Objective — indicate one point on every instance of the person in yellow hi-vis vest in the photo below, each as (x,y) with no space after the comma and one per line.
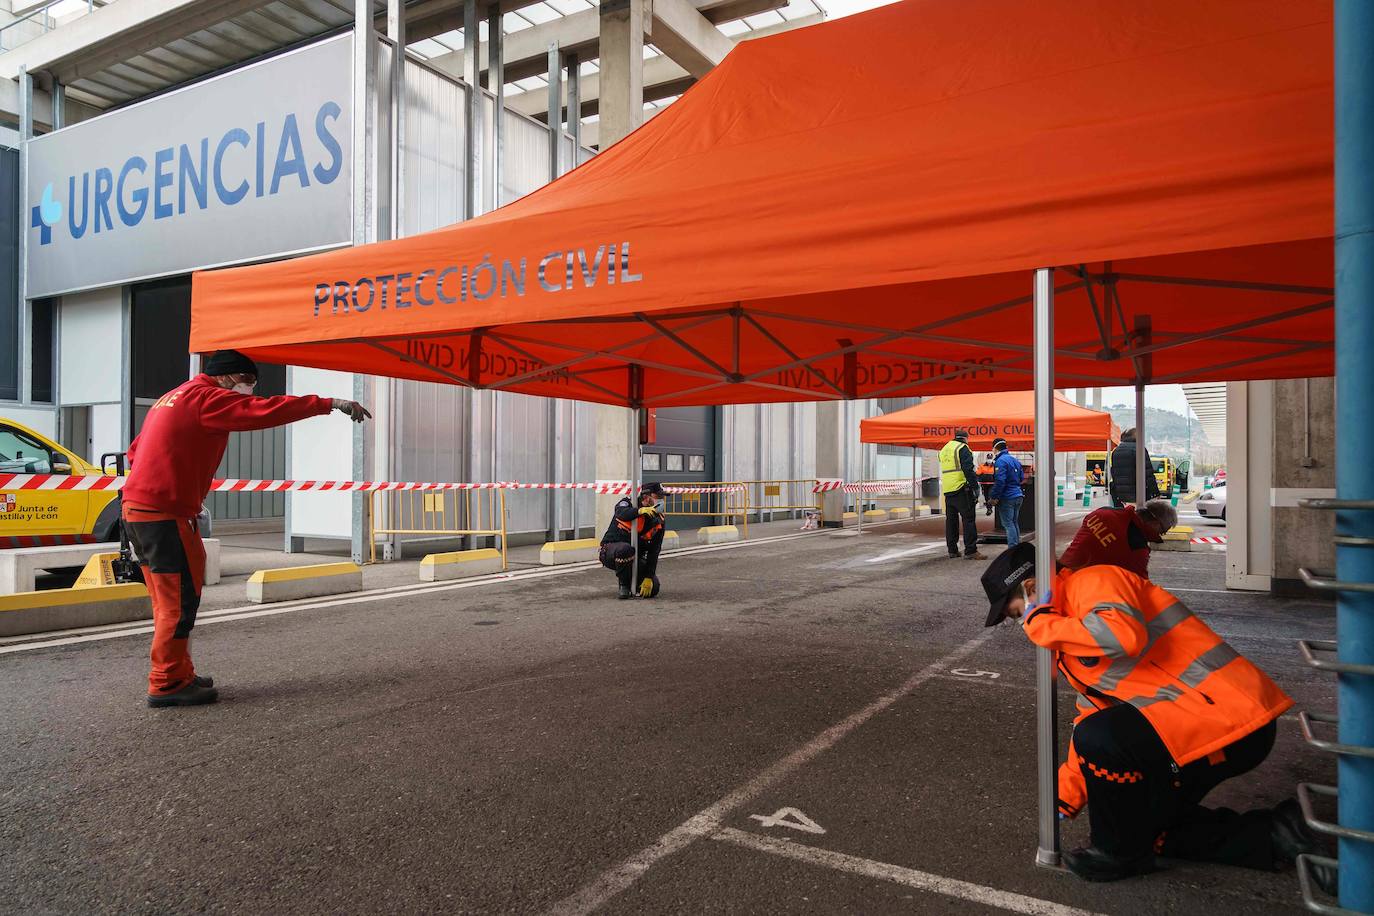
(959,487)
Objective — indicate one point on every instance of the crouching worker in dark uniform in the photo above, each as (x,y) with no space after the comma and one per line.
(1167,712)
(618,554)
(172,463)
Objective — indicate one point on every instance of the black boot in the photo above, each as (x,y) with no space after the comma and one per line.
(203,680)
(1291,836)
(191,695)
(1092,864)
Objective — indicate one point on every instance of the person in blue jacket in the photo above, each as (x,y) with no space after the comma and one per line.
(1006,493)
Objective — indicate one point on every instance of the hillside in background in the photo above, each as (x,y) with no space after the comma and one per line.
(1166,432)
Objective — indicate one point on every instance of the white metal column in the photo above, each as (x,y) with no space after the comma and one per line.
(25,349)
(1046,710)
(364,222)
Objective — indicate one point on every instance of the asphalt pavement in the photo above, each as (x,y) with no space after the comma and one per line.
(812,723)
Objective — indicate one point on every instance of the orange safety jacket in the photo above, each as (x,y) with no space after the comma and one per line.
(627,514)
(1119,638)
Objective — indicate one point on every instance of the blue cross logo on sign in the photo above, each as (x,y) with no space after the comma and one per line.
(46,214)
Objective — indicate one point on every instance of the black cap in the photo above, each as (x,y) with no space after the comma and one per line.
(654,488)
(961,434)
(999,442)
(229,362)
(1008,570)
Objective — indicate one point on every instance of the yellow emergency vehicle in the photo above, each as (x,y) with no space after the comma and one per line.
(35,518)
(1096,465)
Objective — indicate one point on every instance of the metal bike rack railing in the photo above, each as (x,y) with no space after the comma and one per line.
(1312,652)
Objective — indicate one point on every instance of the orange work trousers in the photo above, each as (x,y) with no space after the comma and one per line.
(173,559)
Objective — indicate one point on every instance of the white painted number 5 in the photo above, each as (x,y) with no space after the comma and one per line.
(789,817)
(965,672)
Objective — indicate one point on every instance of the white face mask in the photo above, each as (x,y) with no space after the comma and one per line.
(244,388)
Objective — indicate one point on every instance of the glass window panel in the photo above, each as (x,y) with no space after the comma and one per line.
(696,462)
(674,462)
(652,461)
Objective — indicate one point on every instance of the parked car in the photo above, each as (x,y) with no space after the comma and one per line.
(33,518)
(1212,504)
(65,516)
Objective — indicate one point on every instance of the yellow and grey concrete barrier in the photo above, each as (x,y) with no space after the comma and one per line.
(1176,538)
(717,534)
(70,608)
(267,585)
(561,553)
(875,515)
(460,564)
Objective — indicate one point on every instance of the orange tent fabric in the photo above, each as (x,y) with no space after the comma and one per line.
(854,209)
(1009,415)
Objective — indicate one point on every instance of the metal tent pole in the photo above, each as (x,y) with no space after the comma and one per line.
(1046,710)
(636,387)
(1140,469)
(635,470)
(915,493)
(1354,319)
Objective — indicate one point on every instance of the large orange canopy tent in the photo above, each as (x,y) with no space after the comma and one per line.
(853,210)
(986,417)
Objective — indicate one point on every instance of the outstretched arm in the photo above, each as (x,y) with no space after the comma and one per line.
(232,412)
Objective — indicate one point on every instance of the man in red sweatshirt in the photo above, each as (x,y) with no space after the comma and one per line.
(172,463)
(1121,537)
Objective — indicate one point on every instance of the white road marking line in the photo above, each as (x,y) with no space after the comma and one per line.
(920,880)
(13,644)
(702,824)
(791,818)
(899,554)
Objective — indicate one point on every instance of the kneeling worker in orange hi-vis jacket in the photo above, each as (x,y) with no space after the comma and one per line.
(1167,712)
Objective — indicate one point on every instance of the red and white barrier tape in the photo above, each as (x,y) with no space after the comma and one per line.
(604,487)
(734,488)
(1210,539)
(236,485)
(877,486)
(239,485)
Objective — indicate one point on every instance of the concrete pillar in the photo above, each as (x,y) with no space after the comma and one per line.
(621,108)
(830,449)
(1303,466)
(1270,466)
(612,456)
(1249,459)
(623,24)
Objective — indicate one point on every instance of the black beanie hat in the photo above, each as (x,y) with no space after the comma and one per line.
(229,362)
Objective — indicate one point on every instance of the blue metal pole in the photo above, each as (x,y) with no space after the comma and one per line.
(1354,23)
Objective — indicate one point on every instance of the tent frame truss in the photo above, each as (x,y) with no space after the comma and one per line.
(1110,344)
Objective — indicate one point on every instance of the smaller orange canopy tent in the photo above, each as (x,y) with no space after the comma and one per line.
(1006,414)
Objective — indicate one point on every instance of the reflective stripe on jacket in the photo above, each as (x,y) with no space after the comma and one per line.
(627,515)
(952,476)
(1123,639)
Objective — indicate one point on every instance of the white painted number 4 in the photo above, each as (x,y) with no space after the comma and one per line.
(789,817)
